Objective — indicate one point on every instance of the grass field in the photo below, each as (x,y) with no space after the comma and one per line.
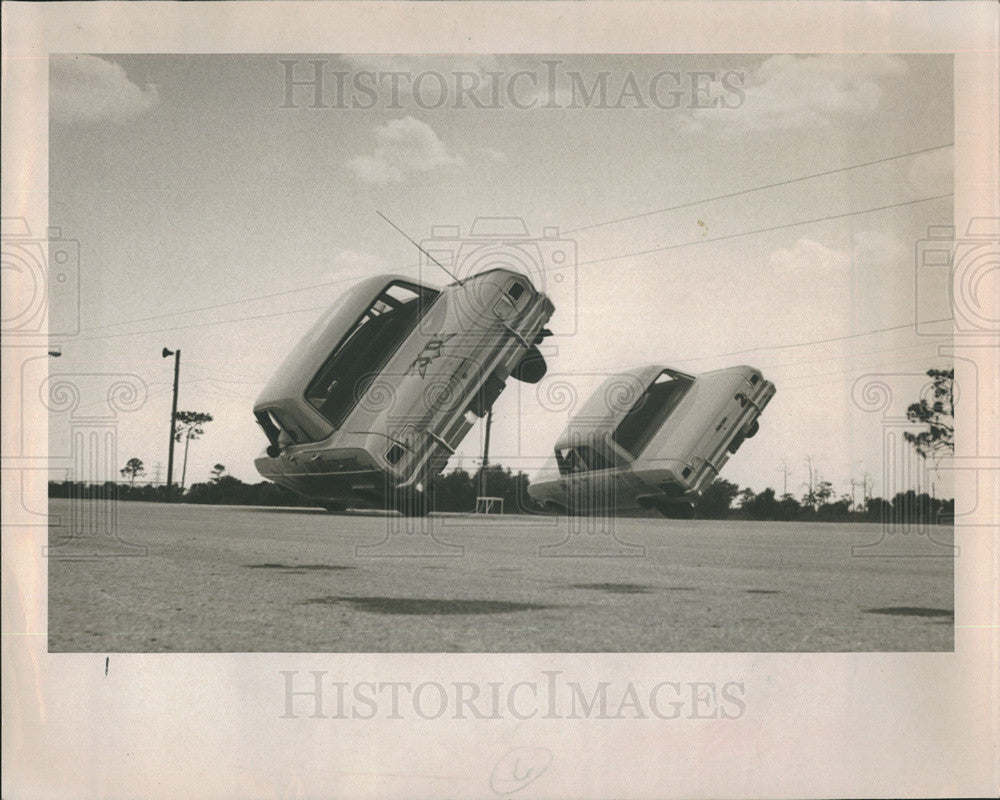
(186,578)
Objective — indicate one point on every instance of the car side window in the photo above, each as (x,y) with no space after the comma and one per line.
(650,411)
(365,349)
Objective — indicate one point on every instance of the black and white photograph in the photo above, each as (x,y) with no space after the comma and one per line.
(504,353)
(657,376)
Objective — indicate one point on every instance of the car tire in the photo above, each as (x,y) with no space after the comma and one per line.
(752,429)
(531,368)
(335,508)
(676,510)
(552,507)
(411,503)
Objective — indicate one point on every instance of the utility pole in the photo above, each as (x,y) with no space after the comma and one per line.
(855,464)
(863,485)
(486,452)
(173,420)
(809,465)
(784,472)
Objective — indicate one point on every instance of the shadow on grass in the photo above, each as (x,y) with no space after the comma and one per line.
(426,607)
(615,588)
(287,510)
(912,611)
(347,512)
(299,567)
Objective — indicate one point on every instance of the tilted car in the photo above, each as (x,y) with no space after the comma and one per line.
(380,392)
(652,437)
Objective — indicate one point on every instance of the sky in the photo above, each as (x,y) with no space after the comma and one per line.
(220,210)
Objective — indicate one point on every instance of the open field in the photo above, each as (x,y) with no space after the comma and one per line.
(214,578)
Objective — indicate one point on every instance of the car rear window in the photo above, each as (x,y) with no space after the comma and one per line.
(581,458)
(365,349)
(650,411)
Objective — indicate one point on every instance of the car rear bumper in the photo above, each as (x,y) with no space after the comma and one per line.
(327,475)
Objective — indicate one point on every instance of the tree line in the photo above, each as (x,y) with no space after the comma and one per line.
(725,500)
(457,491)
(453,491)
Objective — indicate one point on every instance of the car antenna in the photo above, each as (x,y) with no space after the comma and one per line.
(450,274)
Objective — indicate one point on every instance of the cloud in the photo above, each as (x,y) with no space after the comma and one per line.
(378,62)
(933,173)
(88,89)
(789,92)
(348,264)
(808,257)
(403,147)
(812,279)
(373,170)
(493,155)
(561,97)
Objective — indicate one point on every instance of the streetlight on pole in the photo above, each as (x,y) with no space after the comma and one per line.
(173,420)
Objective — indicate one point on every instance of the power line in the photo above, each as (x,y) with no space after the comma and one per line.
(812,342)
(216,306)
(784,381)
(927,342)
(904,350)
(755,189)
(790,384)
(201,324)
(740,192)
(662,248)
(581,263)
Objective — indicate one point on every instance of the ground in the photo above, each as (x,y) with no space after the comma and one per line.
(188,578)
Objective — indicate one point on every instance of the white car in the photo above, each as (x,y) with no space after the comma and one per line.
(380,392)
(652,437)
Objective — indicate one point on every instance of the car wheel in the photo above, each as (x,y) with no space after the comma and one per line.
(552,507)
(411,503)
(676,510)
(531,368)
(752,430)
(334,508)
